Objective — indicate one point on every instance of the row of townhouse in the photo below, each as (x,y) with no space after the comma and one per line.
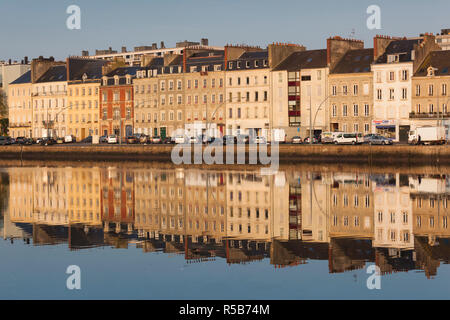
(389,89)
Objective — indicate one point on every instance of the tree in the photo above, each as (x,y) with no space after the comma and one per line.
(4,122)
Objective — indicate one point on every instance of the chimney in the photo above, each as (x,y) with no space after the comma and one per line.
(154,46)
(337,47)
(422,50)
(380,43)
(25,60)
(162,45)
(84,53)
(280,51)
(9,61)
(40,66)
(204,42)
(124,49)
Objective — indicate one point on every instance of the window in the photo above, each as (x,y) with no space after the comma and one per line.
(391,76)
(444,89)
(404,93)
(391,94)
(344,110)
(404,75)
(344,90)
(334,111)
(355,89)
(334,90)
(418,90)
(379,94)
(430,90)
(355,110)
(366,110)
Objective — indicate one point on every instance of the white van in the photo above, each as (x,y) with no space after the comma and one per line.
(348,138)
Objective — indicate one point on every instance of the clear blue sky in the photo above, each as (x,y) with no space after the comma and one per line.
(32,28)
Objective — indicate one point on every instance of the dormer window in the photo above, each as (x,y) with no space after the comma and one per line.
(116,80)
(247,64)
(393,58)
(238,64)
(230,65)
(431,71)
(256,64)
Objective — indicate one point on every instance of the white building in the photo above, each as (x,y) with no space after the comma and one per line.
(392,81)
(49,100)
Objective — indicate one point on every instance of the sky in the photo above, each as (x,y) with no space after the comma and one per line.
(34,28)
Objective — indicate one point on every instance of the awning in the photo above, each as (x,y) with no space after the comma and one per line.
(385,127)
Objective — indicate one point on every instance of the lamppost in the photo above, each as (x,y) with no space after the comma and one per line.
(315,115)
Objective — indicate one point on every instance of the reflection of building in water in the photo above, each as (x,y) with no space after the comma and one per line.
(430,196)
(398,222)
(315,208)
(392,214)
(351,203)
(117,198)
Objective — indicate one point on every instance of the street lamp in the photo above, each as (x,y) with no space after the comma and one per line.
(315,115)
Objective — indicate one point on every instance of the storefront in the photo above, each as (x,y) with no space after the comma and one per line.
(385,128)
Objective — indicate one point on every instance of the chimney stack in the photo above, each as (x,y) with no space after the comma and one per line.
(124,49)
(337,47)
(204,42)
(162,45)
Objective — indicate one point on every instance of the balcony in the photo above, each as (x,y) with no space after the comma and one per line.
(429,115)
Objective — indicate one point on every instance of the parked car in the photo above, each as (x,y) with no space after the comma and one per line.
(70,139)
(87,140)
(243,139)
(193,140)
(367,137)
(23,141)
(12,141)
(314,140)
(349,138)
(377,139)
(259,140)
(131,140)
(60,140)
(112,139)
(4,141)
(296,140)
(168,140)
(47,141)
(179,139)
(229,139)
(156,140)
(144,139)
(327,137)
(103,139)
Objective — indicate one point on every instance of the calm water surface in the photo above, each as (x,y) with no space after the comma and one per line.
(155,233)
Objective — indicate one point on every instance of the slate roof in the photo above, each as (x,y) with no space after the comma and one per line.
(25,78)
(54,74)
(247,61)
(310,59)
(123,71)
(79,67)
(355,61)
(403,47)
(436,59)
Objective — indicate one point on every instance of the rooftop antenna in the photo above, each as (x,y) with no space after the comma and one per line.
(352,34)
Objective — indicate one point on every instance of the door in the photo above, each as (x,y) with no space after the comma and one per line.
(83,133)
(163,133)
(403,132)
(128,131)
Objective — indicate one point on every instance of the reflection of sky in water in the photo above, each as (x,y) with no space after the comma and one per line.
(327,228)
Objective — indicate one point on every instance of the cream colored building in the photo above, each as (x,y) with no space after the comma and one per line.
(351,88)
(20,111)
(49,101)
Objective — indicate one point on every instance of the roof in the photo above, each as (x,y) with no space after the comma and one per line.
(249,60)
(402,47)
(54,74)
(123,71)
(310,59)
(79,67)
(440,60)
(355,61)
(25,78)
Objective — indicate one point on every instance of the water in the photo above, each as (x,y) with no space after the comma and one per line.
(149,231)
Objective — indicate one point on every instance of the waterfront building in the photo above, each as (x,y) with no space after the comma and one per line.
(20,111)
(117,102)
(431,97)
(248,92)
(351,89)
(395,62)
(49,98)
(9,72)
(84,79)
